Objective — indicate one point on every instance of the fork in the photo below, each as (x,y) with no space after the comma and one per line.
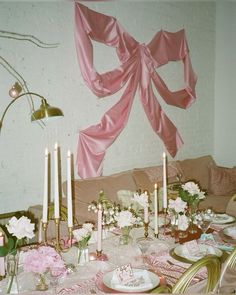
(172,263)
(184,268)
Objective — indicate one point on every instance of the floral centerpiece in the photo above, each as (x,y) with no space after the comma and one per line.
(142,199)
(110,209)
(177,209)
(40,261)
(191,193)
(82,236)
(125,220)
(115,215)
(19,230)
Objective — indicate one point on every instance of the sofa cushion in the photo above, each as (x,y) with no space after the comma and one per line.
(231,206)
(145,178)
(87,190)
(142,181)
(216,203)
(197,170)
(222,181)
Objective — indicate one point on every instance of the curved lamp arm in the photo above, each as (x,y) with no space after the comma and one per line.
(44,112)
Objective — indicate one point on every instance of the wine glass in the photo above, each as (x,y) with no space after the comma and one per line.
(204,220)
(55,274)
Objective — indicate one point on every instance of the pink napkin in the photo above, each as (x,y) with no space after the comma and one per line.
(172,272)
(84,287)
(218,227)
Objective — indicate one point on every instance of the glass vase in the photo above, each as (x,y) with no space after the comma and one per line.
(83,255)
(125,237)
(192,213)
(12,270)
(40,282)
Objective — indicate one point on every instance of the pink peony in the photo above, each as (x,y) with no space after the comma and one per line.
(42,259)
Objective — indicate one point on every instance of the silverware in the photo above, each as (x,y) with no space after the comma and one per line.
(172,263)
(184,268)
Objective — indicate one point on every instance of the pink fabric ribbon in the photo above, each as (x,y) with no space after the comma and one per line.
(137,68)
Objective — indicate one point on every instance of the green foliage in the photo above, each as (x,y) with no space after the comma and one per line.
(8,248)
(186,197)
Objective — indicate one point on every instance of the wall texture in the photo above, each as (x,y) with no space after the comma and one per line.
(55,73)
(225,86)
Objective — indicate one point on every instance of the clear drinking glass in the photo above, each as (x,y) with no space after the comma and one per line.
(55,275)
(204,220)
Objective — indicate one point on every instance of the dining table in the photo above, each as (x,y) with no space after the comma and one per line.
(150,254)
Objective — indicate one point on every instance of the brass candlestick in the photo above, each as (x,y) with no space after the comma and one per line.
(57,231)
(70,228)
(165,217)
(156,236)
(57,228)
(44,227)
(146,229)
(101,256)
(156,210)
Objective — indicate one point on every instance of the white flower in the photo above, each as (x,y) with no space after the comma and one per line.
(80,234)
(125,218)
(88,226)
(21,228)
(191,187)
(142,199)
(182,222)
(178,205)
(84,232)
(201,195)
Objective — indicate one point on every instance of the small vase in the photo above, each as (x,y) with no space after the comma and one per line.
(192,212)
(40,282)
(83,255)
(12,270)
(125,238)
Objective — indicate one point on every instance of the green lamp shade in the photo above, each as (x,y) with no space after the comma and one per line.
(46,112)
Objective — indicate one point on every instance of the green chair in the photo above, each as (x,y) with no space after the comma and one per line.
(212,264)
(230,263)
(161,290)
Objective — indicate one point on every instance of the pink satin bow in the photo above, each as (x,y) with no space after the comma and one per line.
(137,68)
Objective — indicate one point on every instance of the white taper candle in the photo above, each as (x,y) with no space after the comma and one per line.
(69,191)
(99,229)
(164,182)
(45,192)
(156,230)
(56,183)
(146,217)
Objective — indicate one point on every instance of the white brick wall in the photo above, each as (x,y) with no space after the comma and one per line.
(225,86)
(55,73)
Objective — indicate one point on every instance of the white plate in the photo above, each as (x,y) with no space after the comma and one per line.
(230,232)
(153,282)
(223,219)
(182,251)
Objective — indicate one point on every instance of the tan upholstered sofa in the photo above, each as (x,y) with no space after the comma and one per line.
(218,182)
